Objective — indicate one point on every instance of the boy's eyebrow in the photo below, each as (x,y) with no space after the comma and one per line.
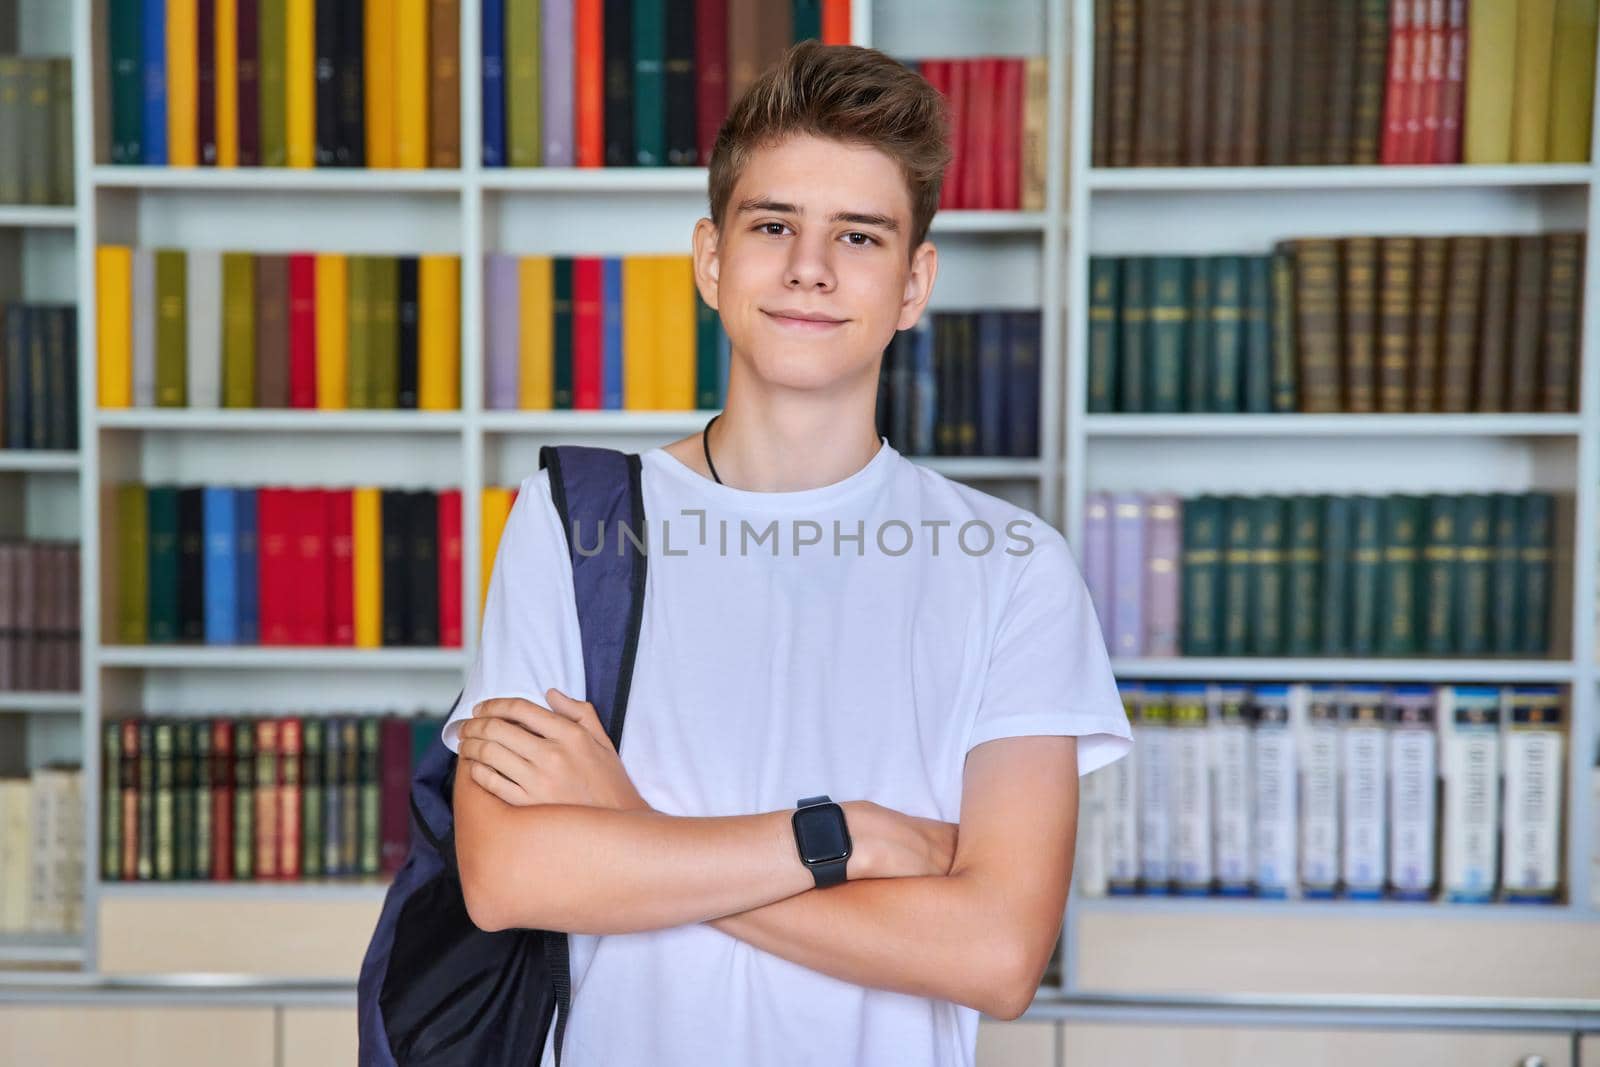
(860,218)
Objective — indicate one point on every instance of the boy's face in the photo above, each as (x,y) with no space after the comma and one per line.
(815,227)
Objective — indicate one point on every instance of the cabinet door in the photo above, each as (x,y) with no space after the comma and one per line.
(1018,1043)
(319,1037)
(1089,1044)
(137,1036)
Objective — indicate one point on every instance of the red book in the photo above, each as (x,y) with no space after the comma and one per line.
(589,77)
(940,73)
(274,570)
(1008,133)
(711,73)
(1433,109)
(341,576)
(836,22)
(394,792)
(1417,84)
(977,138)
(267,777)
(587,298)
(302,331)
(222,800)
(988,131)
(1455,66)
(450,568)
(289,799)
(310,567)
(1395,95)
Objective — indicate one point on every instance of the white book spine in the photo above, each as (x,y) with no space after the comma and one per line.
(204,309)
(1089,864)
(1152,751)
(144,327)
(1413,785)
(1469,729)
(1191,787)
(1364,763)
(1231,789)
(1122,825)
(1531,857)
(1319,792)
(1274,783)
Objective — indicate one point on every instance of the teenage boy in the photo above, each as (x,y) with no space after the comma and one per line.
(822,616)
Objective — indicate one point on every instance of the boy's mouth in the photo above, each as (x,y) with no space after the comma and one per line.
(799,321)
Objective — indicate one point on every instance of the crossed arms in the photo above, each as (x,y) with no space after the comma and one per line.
(550,835)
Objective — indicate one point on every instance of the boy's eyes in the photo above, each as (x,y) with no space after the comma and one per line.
(765,227)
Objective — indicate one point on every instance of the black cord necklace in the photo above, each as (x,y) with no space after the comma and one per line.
(705,439)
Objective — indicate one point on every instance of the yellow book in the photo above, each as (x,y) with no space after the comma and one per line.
(1530,93)
(367,527)
(183,83)
(1491,65)
(536,368)
(411,81)
(300,81)
(227,82)
(113,284)
(675,332)
(439,333)
(333,330)
(1572,82)
(379,67)
(639,334)
(496,508)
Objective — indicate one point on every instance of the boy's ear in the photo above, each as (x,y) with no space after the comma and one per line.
(706,264)
(919,285)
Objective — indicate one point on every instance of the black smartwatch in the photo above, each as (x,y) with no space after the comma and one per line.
(823,839)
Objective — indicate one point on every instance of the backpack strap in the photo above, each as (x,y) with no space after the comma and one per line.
(597,491)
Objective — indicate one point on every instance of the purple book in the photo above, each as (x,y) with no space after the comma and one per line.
(1162,557)
(1097,559)
(555,68)
(1127,568)
(500,331)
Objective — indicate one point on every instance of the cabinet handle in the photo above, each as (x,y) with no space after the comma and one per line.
(1534,1060)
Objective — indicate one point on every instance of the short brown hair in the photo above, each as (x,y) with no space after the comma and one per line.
(847,93)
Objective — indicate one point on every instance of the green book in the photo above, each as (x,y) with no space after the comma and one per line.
(1267,572)
(11,105)
(524,135)
(350,859)
(1397,598)
(1538,519)
(1237,566)
(1227,332)
(172,332)
(311,775)
(1167,329)
(166,843)
(1105,289)
(384,306)
(707,369)
(1202,576)
(358,383)
(1474,601)
(1197,380)
(1338,529)
(238,330)
(145,860)
(1366,560)
(133,565)
(1441,555)
(203,859)
(807,20)
(1257,334)
(163,566)
(272,87)
(244,800)
(183,799)
(126,41)
(1505,581)
(332,798)
(649,19)
(1285,365)
(111,800)
(1136,294)
(370,782)
(1302,594)
(561,305)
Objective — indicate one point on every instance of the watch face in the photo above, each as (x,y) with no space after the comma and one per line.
(821,833)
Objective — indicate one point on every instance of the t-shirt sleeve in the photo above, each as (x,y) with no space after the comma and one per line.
(1049,673)
(530,640)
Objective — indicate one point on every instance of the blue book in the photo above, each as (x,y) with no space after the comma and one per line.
(494,83)
(249,600)
(1022,389)
(991,382)
(611,334)
(220,507)
(924,392)
(155,83)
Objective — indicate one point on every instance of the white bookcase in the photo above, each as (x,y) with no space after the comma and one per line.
(988,259)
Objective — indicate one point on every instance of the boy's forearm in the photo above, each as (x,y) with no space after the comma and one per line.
(932,937)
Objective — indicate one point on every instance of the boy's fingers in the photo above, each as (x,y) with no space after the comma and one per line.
(532,717)
(496,783)
(581,712)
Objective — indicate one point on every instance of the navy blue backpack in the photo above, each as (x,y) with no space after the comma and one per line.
(434,989)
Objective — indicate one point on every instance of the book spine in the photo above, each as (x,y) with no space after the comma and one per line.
(1413,777)
(1364,765)
(1153,754)
(1229,742)
(1191,789)
(1274,795)
(1469,720)
(1317,722)
(1534,772)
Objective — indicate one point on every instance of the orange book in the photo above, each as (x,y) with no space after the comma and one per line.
(113,268)
(183,83)
(411,84)
(536,333)
(266,800)
(289,800)
(227,63)
(367,526)
(333,330)
(439,340)
(836,22)
(300,82)
(496,508)
(379,73)
(590,76)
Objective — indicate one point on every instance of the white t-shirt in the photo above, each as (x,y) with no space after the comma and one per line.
(779,668)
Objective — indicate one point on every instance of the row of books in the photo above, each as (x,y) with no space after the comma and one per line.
(1351,82)
(41,850)
(591,333)
(221,565)
(1357,324)
(38,376)
(997,107)
(40,627)
(616,83)
(1363,792)
(271,83)
(205,329)
(258,798)
(1332,575)
(963,383)
(36,130)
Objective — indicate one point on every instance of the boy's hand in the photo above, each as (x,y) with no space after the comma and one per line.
(892,844)
(526,753)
